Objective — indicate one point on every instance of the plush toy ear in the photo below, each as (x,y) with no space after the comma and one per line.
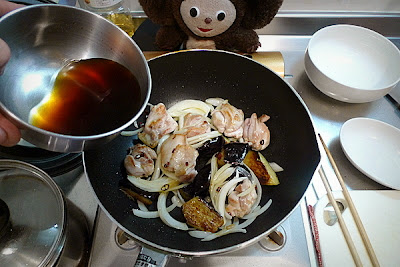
(159,11)
(260,12)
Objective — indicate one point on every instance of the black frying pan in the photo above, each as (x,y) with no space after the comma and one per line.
(249,86)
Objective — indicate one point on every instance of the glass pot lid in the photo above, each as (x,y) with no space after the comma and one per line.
(34,233)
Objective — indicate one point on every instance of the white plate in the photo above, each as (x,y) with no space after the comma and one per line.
(373,147)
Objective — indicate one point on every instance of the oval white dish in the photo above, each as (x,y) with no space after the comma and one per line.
(373,147)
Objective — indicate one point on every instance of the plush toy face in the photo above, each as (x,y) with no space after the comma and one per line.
(208,18)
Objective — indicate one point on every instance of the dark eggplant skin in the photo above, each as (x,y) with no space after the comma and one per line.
(207,150)
(211,147)
(232,152)
(199,186)
(235,153)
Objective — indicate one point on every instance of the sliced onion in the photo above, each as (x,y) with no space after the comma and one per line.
(214,166)
(258,211)
(255,180)
(142,206)
(175,199)
(231,190)
(179,196)
(221,195)
(157,169)
(189,106)
(275,167)
(215,101)
(227,215)
(132,133)
(162,184)
(203,137)
(151,214)
(181,121)
(224,232)
(160,142)
(170,174)
(221,175)
(247,191)
(166,217)
(197,145)
(246,223)
(199,234)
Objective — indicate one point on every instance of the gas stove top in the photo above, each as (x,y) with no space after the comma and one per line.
(112,247)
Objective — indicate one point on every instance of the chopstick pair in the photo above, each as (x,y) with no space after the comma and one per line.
(353,211)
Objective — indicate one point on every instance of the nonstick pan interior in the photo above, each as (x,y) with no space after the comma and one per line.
(248,86)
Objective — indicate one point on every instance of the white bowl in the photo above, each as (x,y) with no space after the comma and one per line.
(352,64)
(373,147)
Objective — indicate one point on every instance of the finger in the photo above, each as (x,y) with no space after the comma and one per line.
(6,6)
(9,133)
(5,55)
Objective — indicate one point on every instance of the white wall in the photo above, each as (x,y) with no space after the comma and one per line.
(342,5)
(322,5)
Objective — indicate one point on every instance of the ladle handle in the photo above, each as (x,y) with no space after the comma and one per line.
(151,258)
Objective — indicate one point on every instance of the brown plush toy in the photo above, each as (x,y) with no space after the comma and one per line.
(210,24)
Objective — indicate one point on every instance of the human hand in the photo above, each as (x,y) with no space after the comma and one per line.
(5,55)
(9,133)
(6,6)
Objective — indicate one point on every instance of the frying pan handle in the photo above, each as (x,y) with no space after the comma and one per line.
(151,258)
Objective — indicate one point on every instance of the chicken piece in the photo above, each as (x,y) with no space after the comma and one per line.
(201,216)
(140,161)
(255,132)
(228,120)
(179,158)
(239,206)
(158,124)
(195,124)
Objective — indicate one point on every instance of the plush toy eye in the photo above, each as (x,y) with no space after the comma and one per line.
(221,15)
(194,12)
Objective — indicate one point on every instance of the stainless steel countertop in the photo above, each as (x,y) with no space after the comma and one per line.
(329,114)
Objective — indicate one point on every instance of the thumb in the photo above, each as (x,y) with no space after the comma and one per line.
(9,133)
(5,55)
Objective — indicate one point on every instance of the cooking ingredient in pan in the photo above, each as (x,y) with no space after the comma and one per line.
(89,97)
(206,157)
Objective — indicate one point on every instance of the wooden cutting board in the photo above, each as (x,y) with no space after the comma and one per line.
(380,214)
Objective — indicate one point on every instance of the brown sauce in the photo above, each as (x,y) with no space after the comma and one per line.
(89,97)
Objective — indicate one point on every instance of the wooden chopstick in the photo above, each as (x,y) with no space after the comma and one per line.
(341,221)
(352,208)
